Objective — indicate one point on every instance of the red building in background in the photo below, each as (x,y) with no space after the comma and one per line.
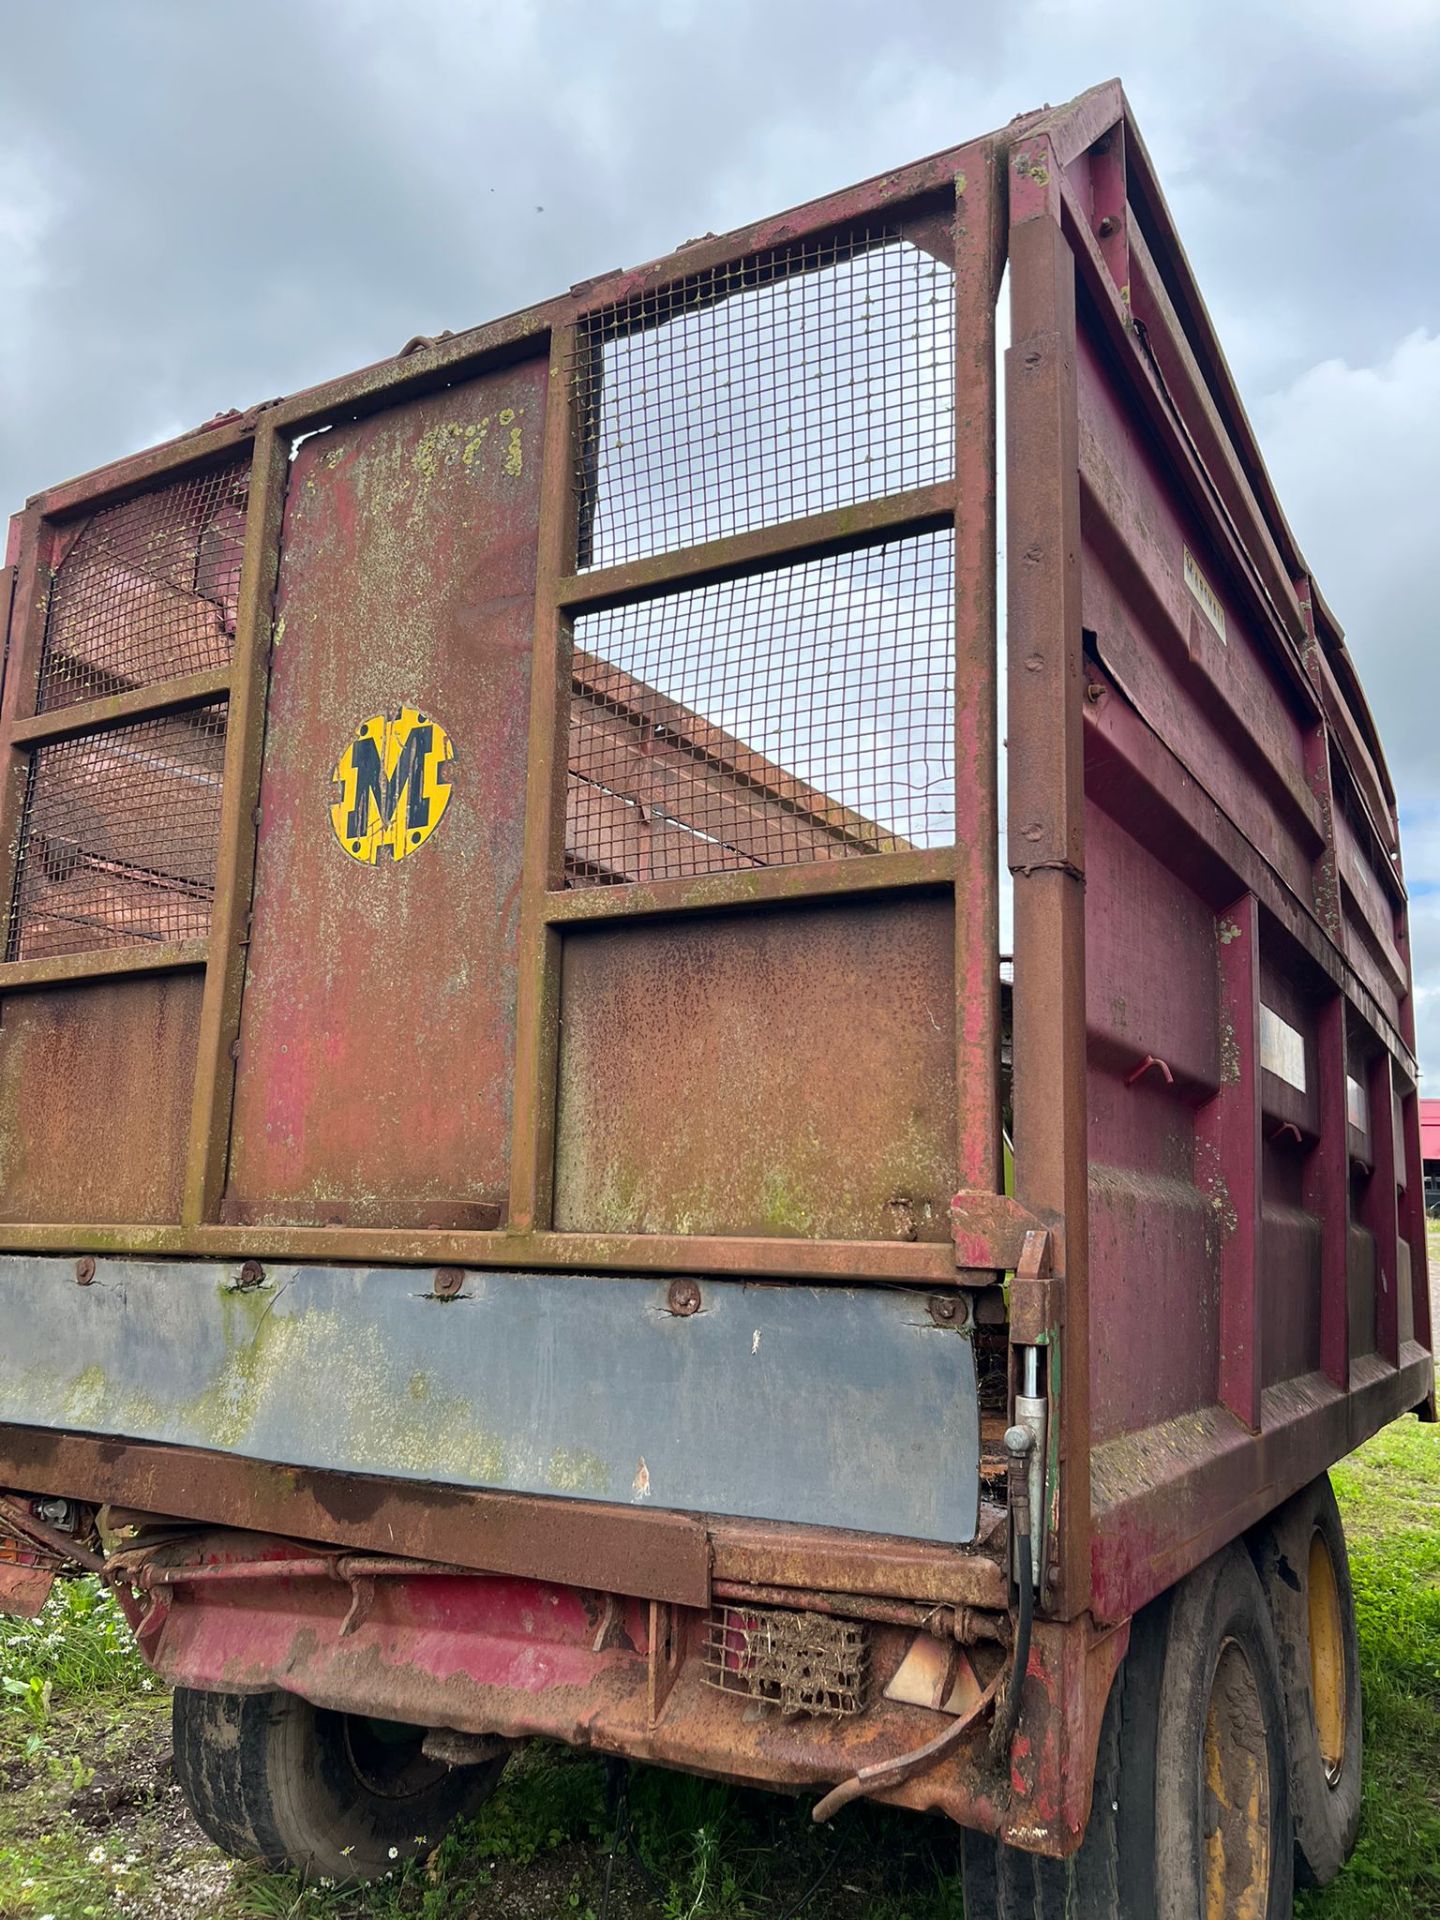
(1430,1152)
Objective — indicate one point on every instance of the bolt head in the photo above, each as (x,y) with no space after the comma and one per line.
(945,1309)
(84,1270)
(448,1282)
(684,1298)
(251,1274)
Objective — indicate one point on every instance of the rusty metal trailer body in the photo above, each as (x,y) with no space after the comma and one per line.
(504,1054)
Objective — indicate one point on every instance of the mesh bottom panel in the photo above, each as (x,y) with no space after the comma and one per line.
(800,1662)
(782,385)
(795,715)
(148,590)
(119,837)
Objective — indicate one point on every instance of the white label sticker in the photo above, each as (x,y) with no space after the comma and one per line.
(1282,1049)
(1205,594)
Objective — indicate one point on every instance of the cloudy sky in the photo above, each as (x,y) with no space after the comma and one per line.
(205,205)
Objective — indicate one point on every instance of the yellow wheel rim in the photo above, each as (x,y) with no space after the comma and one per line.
(1327,1658)
(1237,1793)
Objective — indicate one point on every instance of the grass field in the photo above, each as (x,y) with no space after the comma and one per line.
(91,1822)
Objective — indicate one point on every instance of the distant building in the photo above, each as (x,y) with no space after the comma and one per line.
(1430,1152)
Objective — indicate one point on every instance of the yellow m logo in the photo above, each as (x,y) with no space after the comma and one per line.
(393,785)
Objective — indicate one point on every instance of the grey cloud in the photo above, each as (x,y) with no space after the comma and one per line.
(201,207)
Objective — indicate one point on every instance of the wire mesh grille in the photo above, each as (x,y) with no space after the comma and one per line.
(770,388)
(119,836)
(148,591)
(801,714)
(800,1662)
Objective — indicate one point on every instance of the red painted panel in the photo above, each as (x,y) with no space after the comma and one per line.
(1150,980)
(1290,1266)
(1215,700)
(377,1029)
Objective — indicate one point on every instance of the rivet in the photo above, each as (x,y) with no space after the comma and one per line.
(84,1270)
(684,1298)
(251,1274)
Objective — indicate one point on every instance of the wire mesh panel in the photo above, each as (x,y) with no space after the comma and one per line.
(770,388)
(148,590)
(119,836)
(798,1662)
(805,713)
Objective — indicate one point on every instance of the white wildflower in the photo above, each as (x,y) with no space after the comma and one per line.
(96,1856)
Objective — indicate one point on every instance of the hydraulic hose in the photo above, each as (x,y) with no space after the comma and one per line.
(889,1773)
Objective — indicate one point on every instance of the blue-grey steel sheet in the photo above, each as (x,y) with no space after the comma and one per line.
(825,1405)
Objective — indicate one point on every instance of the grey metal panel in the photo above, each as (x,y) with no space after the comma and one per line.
(837,1407)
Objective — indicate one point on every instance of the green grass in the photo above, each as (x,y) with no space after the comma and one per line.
(1389,1495)
(91,1824)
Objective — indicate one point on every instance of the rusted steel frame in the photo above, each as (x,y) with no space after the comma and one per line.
(635,1550)
(7,601)
(1182,375)
(1327,1190)
(1282,621)
(1222,1479)
(990,1230)
(1046,806)
(1228,1136)
(537,1020)
(90,716)
(979,253)
(756,886)
(103,963)
(1145,194)
(809,1560)
(1118,731)
(893,1773)
(1343,699)
(1375,908)
(130,1566)
(19,1521)
(1325,877)
(343,1567)
(193,452)
(948,1623)
(617,1549)
(886,196)
(1378,1207)
(1359,764)
(1141,571)
(919,1263)
(22,672)
(1109,204)
(1072,129)
(840,528)
(235,854)
(1351,715)
(1412,1221)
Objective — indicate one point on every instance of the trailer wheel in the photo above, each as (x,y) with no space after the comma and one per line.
(1112,1876)
(273,1779)
(1222,1776)
(1190,1815)
(1305,1571)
